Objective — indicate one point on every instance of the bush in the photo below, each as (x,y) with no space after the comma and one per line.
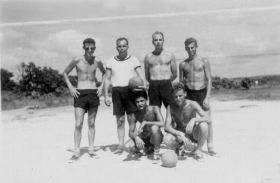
(6,83)
(246,83)
(35,81)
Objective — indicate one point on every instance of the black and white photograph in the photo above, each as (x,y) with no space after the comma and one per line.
(140,91)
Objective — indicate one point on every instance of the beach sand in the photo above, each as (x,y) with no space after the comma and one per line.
(36,147)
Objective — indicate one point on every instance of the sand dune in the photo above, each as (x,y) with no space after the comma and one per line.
(36,147)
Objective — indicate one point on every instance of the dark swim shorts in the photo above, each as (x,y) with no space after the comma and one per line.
(197,95)
(190,136)
(160,91)
(87,99)
(123,102)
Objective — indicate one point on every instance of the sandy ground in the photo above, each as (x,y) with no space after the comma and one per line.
(36,147)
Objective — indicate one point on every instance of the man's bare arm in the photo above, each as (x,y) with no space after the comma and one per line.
(159,122)
(132,127)
(139,73)
(103,71)
(67,70)
(106,86)
(133,134)
(168,124)
(207,70)
(181,72)
(203,117)
(173,67)
(146,67)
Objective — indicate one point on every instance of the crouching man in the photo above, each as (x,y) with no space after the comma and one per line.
(184,130)
(148,136)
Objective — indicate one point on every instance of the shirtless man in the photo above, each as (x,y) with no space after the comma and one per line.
(160,71)
(119,70)
(148,136)
(86,95)
(195,73)
(183,126)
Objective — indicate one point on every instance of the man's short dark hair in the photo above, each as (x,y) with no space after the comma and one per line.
(89,41)
(178,86)
(121,39)
(190,40)
(141,93)
(158,32)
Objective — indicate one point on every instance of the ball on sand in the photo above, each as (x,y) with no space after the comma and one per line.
(169,159)
(135,82)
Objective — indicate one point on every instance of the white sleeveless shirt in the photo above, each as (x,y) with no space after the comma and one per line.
(122,70)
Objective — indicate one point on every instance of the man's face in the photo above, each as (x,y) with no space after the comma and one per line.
(89,49)
(191,49)
(141,103)
(122,46)
(179,96)
(158,41)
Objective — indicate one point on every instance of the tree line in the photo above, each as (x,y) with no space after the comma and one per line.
(35,81)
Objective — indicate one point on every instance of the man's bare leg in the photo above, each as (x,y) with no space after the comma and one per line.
(79,118)
(210,144)
(91,129)
(156,138)
(200,134)
(121,130)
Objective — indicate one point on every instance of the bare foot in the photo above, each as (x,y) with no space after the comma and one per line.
(119,150)
(212,152)
(91,152)
(197,154)
(76,154)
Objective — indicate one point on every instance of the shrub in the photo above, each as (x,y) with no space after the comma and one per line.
(6,83)
(35,81)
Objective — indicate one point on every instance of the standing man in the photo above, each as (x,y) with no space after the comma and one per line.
(160,71)
(195,73)
(148,136)
(119,70)
(182,125)
(86,95)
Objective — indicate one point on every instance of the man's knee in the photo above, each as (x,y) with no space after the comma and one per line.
(78,126)
(203,128)
(155,129)
(91,124)
(120,121)
(170,141)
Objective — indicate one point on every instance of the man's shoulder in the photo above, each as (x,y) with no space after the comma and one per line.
(131,57)
(168,53)
(153,108)
(149,55)
(182,63)
(77,59)
(191,103)
(203,59)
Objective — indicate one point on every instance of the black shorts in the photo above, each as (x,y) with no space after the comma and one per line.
(146,137)
(123,102)
(190,136)
(197,95)
(87,99)
(160,91)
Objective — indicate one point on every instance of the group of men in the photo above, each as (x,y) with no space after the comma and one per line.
(187,125)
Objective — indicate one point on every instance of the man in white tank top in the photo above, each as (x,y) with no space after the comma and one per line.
(119,70)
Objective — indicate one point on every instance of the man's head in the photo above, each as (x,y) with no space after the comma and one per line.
(122,45)
(158,39)
(179,93)
(191,46)
(89,46)
(141,98)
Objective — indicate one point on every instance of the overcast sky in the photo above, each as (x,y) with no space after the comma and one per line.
(240,37)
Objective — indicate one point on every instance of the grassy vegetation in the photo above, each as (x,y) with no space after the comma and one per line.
(267,93)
